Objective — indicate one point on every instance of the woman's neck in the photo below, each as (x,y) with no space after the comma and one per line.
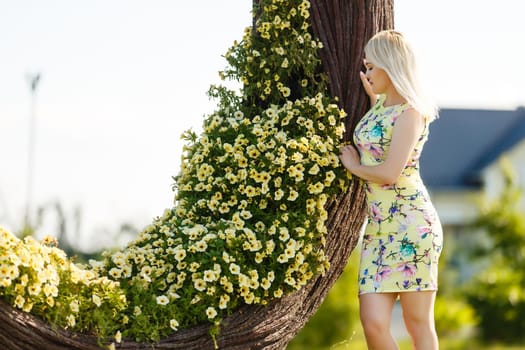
(393,98)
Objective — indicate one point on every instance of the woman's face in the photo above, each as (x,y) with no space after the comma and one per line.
(377,78)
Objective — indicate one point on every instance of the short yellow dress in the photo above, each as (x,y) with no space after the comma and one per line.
(403,236)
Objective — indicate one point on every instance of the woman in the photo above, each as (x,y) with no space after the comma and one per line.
(403,237)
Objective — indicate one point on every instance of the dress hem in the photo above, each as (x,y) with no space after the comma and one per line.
(400,291)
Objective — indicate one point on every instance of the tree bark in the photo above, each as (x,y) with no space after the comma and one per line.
(343,26)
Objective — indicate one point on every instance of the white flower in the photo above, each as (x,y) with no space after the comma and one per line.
(73,305)
(235,269)
(96,300)
(71,320)
(115,273)
(180,254)
(118,337)
(199,284)
(137,311)
(210,276)
(174,324)
(211,313)
(162,300)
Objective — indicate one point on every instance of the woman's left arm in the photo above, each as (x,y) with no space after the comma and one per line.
(405,135)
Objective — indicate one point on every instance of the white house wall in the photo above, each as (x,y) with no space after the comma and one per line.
(492,174)
(456,207)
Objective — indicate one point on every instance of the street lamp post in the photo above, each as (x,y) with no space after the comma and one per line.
(33,80)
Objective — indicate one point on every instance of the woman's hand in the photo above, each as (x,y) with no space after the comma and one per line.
(368,87)
(350,157)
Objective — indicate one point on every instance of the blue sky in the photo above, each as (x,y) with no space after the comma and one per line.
(122,79)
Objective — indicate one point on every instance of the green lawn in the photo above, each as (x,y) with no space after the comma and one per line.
(358,343)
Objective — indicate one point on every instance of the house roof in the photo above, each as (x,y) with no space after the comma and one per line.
(463,142)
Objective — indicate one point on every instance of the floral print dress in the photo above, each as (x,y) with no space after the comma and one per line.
(403,236)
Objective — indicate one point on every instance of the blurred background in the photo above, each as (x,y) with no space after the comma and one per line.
(95,94)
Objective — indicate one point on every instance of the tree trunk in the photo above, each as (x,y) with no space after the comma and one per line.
(344,26)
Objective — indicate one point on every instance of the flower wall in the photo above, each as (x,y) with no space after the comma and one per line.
(248,220)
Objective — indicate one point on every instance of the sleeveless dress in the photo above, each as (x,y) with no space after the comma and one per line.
(403,236)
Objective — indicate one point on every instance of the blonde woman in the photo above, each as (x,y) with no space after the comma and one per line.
(403,236)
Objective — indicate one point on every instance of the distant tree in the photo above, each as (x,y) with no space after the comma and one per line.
(497,293)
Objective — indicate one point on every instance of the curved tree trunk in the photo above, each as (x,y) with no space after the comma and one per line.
(344,26)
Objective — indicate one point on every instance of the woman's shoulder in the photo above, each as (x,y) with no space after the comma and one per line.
(410,116)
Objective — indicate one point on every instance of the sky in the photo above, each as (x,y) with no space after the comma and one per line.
(122,79)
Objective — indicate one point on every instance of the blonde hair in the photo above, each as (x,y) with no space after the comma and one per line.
(390,51)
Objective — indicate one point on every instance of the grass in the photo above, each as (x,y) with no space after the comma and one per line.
(357,342)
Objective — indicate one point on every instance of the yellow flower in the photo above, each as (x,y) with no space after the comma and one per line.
(194,266)
(223,302)
(115,273)
(314,170)
(34,289)
(224,208)
(284,235)
(238,114)
(180,254)
(71,320)
(290,281)
(118,337)
(162,300)
(201,246)
(270,246)
(19,301)
(174,324)
(292,196)
(282,258)
(235,269)
(330,176)
(211,312)
(252,151)
(210,276)
(289,253)
(249,298)
(265,284)
(316,188)
(228,288)
(73,305)
(199,284)
(96,300)
(137,311)
(250,191)
(50,290)
(27,307)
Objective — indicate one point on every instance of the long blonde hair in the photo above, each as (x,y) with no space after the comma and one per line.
(390,51)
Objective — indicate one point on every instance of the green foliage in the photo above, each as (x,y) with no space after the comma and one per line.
(498,293)
(453,315)
(337,320)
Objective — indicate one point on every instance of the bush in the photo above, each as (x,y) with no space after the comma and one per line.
(338,317)
(453,315)
(498,293)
